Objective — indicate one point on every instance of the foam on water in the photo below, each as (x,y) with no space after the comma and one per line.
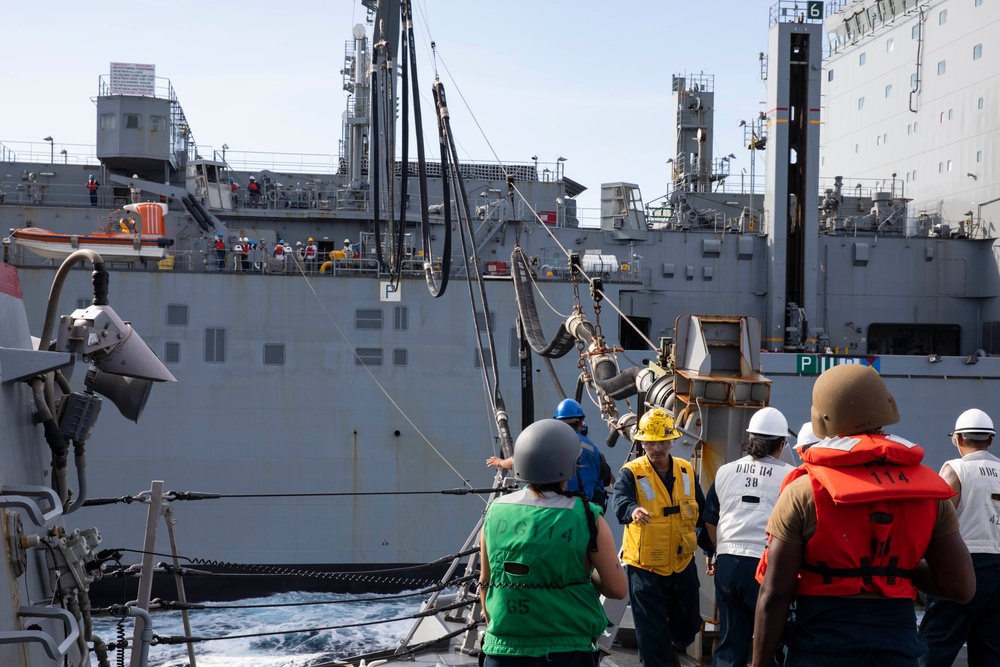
(298,645)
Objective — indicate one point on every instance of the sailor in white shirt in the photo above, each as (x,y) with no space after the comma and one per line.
(976,479)
(736,512)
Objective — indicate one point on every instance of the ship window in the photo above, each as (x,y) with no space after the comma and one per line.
(369,319)
(941,117)
(888,45)
(157,123)
(861,103)
(980,104)
(829,75)
(915,31)
(131,121)
(629,337)
(914,174)
(399,356)
(979,3)
(951,114)
(862,58)
(857,148)
(979,156)
(919,339)
(913,81)
(108,121)
(941,67)
(940,167)
(885,138)
(943,17)
(909,128)
(888,90)
(177,314)
(368,356)
(878,140)
(481,321)
(400,318)
(915,123)
(274,354)
(215,346)
(977,51)
(172,352)
(949,165)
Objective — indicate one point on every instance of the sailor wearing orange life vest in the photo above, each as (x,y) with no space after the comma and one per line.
(856,530)
(311,253)
(976,480)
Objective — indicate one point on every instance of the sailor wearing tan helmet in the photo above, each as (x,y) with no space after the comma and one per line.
(858,528)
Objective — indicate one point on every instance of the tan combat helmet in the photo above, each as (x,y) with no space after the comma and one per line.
(850,399)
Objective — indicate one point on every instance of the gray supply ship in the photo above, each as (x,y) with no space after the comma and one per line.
(332,403)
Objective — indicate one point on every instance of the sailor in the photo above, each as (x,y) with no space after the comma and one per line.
(805,439)
(593,472)
(134,191)
(220,250)
(736,512)
(234,189)
(546,556)
(659,501)
(279,256)
(300,251)
(245,254)
(92,187)
(857,529)
(976,480)
(348,249)
(254,189)
(311,253)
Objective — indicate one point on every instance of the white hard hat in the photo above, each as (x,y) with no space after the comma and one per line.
(974,421)
(768,421)
(806,436)
(347,240)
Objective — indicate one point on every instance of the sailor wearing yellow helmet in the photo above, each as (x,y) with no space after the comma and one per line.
(659,501)
(311,253)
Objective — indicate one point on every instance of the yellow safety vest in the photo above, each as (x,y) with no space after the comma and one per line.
(667,543)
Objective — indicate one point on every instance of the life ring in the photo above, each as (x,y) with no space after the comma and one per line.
(325,267)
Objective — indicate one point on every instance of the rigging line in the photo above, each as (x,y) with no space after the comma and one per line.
(378,384)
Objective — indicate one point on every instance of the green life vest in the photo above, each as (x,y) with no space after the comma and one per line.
(540,599)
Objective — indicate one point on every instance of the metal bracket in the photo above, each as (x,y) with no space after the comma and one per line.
(48,642)
(23,497)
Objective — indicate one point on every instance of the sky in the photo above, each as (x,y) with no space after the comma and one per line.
(585,80)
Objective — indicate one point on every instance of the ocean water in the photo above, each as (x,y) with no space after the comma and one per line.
(300,642)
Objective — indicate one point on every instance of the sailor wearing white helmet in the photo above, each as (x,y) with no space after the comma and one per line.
(976,480)
(736,511)
(805,439)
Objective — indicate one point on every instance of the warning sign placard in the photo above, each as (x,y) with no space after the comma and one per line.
(133,79)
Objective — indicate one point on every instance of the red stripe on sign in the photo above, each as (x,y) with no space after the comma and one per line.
(9,282)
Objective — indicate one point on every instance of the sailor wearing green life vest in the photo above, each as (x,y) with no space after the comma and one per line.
(547,555)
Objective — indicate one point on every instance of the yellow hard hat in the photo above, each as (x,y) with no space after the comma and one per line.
(656,424)
(310,239)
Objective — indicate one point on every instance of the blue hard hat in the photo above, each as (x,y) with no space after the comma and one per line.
(91,176)
(569,409)
(220,233)
(230,180)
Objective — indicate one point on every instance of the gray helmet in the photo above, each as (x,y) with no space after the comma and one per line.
(546,452)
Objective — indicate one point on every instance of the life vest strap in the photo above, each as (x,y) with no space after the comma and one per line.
(865,571)
(673,509)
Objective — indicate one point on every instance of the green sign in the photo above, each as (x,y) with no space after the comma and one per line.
(814,10)
(814,364)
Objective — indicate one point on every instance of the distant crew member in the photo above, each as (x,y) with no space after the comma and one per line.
(134,192)
(220,250)
(300,251)
(92,186)
(976,480)
(348,249)
(311,253)
(805,439)
(254,189)
(736,511)
(539,585)
(234,189)
(857,529)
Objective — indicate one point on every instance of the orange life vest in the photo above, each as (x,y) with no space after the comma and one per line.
(91,185)
(876,507)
